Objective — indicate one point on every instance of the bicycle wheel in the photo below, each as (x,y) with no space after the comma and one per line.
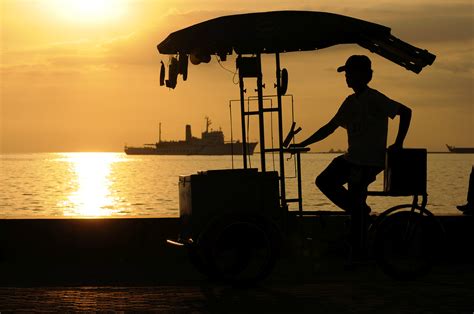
(405,244)
(242,249)
(197,257)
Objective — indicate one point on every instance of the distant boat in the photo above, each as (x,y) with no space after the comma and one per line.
(211,143)
(339,151)
(460,150)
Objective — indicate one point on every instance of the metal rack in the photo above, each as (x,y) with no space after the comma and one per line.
(251,67)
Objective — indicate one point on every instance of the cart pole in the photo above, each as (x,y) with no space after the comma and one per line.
(280,132)
(242,118)
(260,112)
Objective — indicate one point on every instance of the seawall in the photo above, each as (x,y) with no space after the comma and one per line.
(134,250)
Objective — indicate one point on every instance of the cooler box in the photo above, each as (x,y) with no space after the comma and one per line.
(405,172)
(209,194)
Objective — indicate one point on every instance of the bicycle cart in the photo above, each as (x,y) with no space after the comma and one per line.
(235,222)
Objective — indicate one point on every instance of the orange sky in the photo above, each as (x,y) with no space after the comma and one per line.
(83,75)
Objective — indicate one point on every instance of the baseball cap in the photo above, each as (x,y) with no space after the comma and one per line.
(357,63)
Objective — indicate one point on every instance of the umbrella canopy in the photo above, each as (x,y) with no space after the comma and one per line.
(287,31)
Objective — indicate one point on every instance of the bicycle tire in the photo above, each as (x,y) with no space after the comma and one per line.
(237,249)
(405,244)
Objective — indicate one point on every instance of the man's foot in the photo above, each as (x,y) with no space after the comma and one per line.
(467,207)
(367,209)
(469,211)
(372,218)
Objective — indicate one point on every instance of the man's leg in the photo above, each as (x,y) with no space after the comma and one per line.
(359,181)
(358,194)
(331,182)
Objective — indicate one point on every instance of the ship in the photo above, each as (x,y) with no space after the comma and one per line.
(211,143)
(460,150)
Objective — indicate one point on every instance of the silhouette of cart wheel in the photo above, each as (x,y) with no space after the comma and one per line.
(406,244)
(199,258)
(237,249)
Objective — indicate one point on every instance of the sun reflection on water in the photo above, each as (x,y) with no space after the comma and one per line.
(93,196)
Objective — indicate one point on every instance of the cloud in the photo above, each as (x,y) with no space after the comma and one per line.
(431,25)
(57,58)
(137,48)
(457,59)
(427,22)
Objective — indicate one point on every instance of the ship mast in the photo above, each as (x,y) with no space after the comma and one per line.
(208,123)
(159,133)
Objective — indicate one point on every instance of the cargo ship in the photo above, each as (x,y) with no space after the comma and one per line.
(460,150)
(210,143)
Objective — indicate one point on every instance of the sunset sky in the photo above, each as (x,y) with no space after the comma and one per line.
(83,75)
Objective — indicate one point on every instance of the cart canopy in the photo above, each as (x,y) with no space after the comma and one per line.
(288,31)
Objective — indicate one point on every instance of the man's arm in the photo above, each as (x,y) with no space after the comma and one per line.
(320,134)
(405,117)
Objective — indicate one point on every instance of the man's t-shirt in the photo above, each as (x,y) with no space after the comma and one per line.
(365,117)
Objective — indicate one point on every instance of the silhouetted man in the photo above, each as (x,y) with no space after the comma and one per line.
(364,115)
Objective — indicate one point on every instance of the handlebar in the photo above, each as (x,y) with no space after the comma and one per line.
(291,134)
(294,150)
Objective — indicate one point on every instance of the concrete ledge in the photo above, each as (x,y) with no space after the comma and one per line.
(134,250)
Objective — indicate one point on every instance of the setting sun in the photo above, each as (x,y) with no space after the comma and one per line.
(88,10)
(93,196)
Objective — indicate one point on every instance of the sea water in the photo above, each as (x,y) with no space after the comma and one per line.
(45,185)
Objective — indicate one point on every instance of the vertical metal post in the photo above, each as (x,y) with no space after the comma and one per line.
(260,113)
(242,117)
(298,176)
(280,132)
(231,135)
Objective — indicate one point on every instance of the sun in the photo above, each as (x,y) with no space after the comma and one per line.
(93,196)
(88,11)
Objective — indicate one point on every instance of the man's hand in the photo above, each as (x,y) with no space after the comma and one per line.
(395,146)
(405,117)
(297,148)
(296,145)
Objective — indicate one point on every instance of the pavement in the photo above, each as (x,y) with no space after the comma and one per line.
(126,266)
(299,290)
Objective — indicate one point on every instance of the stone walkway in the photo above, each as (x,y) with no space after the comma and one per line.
(348,293)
